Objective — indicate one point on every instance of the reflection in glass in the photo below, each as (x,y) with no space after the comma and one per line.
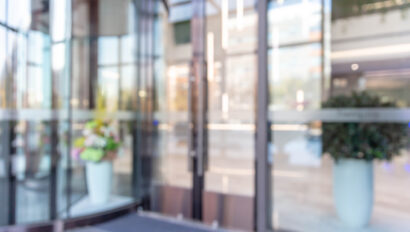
(293,22)
(32,145)
(108,50)
(43,72)
(172,175)
(295,88)
(231,34)
(3,10)
(19,13)
(3,66)
(363,56)
(108,89)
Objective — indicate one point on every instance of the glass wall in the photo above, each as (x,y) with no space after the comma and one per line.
(64,63)
(33,88)
(231,42)
(338,108)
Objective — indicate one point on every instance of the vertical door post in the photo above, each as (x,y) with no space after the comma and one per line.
(198,106)
(261,145)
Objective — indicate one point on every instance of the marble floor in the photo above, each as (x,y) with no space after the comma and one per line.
(302,181)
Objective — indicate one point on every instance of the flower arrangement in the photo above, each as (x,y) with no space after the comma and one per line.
(97,143)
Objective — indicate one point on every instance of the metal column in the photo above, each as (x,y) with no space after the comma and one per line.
(261,144)
(198,106)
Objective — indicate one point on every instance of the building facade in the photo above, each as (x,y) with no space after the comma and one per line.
(224,108)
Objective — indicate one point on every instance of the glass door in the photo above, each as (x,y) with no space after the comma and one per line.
(339,119)
(231,44)
(171,67)
(205,112)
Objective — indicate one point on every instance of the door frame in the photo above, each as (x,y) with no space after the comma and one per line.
(198,107)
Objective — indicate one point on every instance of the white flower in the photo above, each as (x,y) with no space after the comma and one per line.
(101,142)
(91,140)
(87,132)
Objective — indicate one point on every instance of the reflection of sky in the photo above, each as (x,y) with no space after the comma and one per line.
(127,49)
(2,10)
(285,3)
(306,58)
(36,47)
(58,54)
(183,12)
(107,50)
(19,14)
(296,21)
(304,152)
(59,15)
(158,32)
(180,13)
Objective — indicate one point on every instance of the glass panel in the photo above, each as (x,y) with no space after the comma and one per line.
(3,10)
(32,145)
(61,82)
(128,49)
(294,21)
(338,118)
(108,50)
(123,164)
(295,88)
(173,179)
(60,12)
(3,66)
(43,73)
(4,180)
(232,68)
(174,128)
(24,67)
(80,74)
(28,134)
(104,82)
(19,13)
(108,88)
(128,87)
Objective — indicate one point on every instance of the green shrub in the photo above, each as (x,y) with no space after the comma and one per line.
(366,141)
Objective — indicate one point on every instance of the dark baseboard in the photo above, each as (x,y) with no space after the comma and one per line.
(72,223)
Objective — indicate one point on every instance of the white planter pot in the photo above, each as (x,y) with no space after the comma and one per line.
(99,179)
(353,191)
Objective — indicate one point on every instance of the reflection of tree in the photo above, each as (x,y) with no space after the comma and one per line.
(180,100)
(398,94)
(348,8)
(283,93)
(101,101)
(128,100)
(2,95)
(179,92)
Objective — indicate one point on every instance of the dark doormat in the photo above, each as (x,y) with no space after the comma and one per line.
(136,223)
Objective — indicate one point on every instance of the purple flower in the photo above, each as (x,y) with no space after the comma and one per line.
(75,153)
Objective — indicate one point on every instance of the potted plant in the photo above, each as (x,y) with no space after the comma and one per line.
(98,147)
(353,146)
